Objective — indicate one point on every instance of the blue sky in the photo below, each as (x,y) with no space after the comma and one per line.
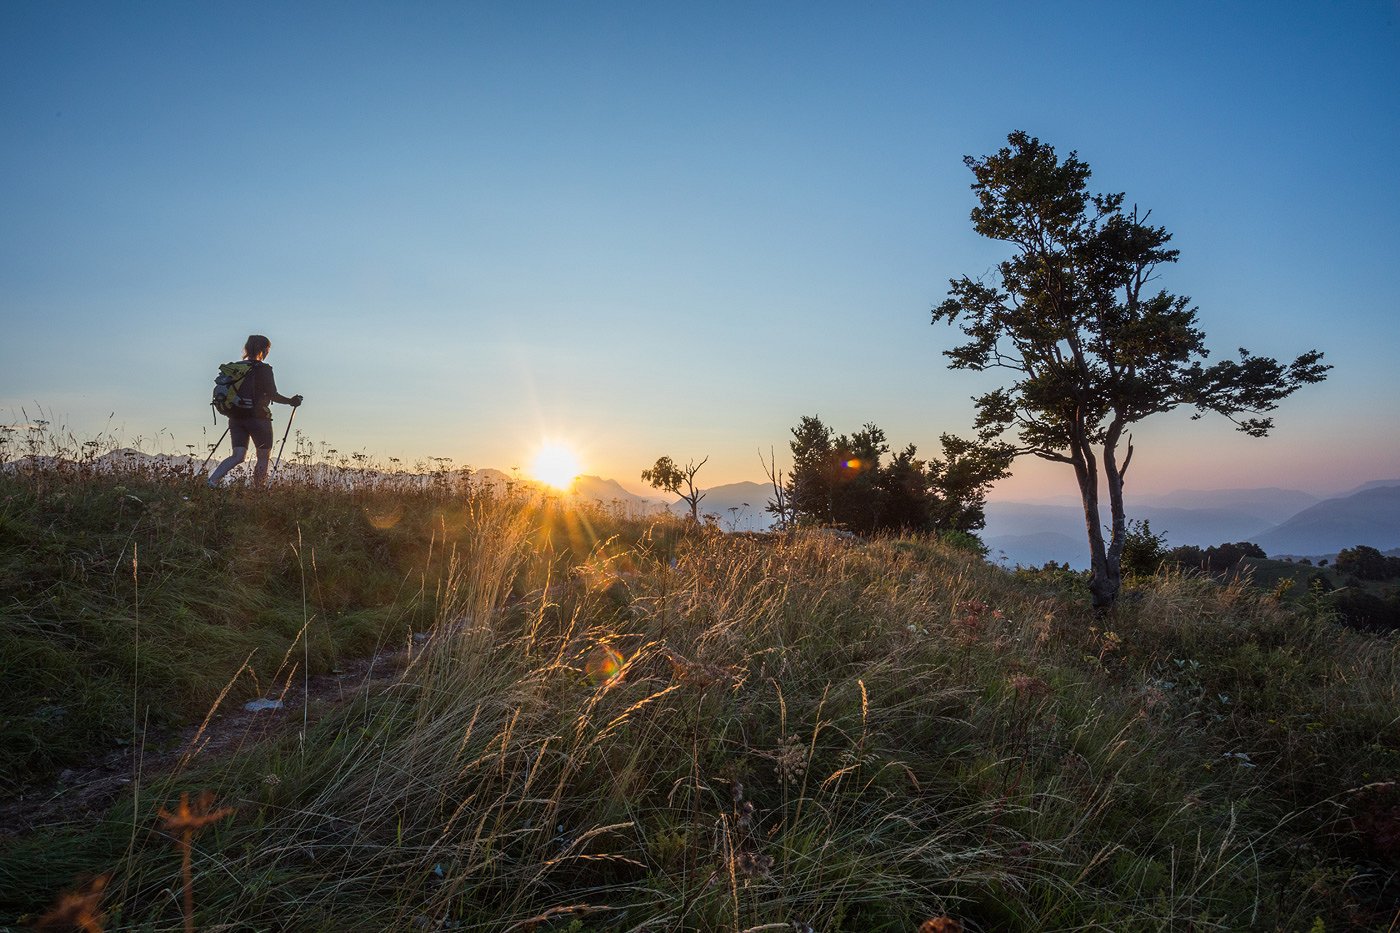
(673,229)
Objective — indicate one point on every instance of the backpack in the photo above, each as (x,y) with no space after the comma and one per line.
(229,398)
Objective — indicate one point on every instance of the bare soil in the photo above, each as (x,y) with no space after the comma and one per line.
(89,789)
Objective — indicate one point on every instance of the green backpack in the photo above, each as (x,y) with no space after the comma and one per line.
(228,397)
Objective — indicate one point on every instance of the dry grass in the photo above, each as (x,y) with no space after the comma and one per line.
(631,727)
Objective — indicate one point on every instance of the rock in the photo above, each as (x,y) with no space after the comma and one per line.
(257,706)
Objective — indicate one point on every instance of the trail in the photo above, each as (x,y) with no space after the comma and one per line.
(87,790)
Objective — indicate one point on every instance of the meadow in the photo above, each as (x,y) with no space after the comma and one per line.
(579,721)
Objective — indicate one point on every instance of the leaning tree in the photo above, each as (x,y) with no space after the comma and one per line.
(1091,347)
(678,480)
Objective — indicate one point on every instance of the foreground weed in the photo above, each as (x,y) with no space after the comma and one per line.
(78,910)
(940,925)
(189,821)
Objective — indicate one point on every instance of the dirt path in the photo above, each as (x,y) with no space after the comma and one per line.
(81,792)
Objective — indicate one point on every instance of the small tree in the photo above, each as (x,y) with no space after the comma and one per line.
(780,506)
(1091,348)
(1143,549)
(961,479)
(1367,563)
(677,480)
(811,491)
(844,480)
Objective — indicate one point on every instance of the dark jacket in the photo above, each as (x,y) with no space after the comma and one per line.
(260,386)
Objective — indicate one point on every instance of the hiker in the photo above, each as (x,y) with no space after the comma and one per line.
(254,422)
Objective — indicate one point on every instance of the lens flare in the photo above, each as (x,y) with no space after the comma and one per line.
(603,665)
(385,515)
(556,465)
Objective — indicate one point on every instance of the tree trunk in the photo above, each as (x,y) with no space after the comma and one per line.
(1103,579)
(1114,476)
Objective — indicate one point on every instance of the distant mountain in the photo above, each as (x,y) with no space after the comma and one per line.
(1269,505)
(1037,548)
(1374,484)
(736,506)
(494,479)
(1200,526)
(1180,526)
(1026,518)
(610,495)
(1034,533)
(1371,516)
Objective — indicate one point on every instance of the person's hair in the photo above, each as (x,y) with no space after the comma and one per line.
(256,344)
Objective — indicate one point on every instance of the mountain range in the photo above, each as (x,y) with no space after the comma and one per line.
(734,506)
(1284,522)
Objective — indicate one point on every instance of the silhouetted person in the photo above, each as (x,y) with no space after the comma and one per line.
(261,389)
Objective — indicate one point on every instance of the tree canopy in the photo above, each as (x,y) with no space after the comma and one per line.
(1092,347)
(1367,563)
(846,481)
(679,480)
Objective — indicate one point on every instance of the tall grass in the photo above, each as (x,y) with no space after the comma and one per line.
(616,725)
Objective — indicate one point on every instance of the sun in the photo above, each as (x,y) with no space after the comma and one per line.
(555,464)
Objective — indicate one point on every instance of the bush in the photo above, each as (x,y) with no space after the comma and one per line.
(1143,551)
(1367,563)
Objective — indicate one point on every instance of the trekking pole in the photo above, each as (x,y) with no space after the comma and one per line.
(214,448)
(284,437)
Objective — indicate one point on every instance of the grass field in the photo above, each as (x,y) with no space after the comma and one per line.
(609,724)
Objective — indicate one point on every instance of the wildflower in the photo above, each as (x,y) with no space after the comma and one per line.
(943,924)
(972,607)
(790,760)
(752,864)
(745,820)
(77,910)
(192,819)
(1028,687)
(189,821)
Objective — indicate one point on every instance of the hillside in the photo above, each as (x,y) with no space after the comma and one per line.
(598,723)
(1370,516)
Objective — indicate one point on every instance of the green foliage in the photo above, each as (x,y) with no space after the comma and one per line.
(1218,558)
(1367,563)
(845,481)
(1091,349)
(963,541)
(680,481)
(1368,610)
(132,601)
(1143,551)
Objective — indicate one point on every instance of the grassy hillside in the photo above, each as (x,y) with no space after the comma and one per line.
(1371,605)
(615,725)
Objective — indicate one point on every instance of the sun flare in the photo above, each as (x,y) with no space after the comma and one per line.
(556,465)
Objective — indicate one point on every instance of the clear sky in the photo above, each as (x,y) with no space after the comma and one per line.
(660,228)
